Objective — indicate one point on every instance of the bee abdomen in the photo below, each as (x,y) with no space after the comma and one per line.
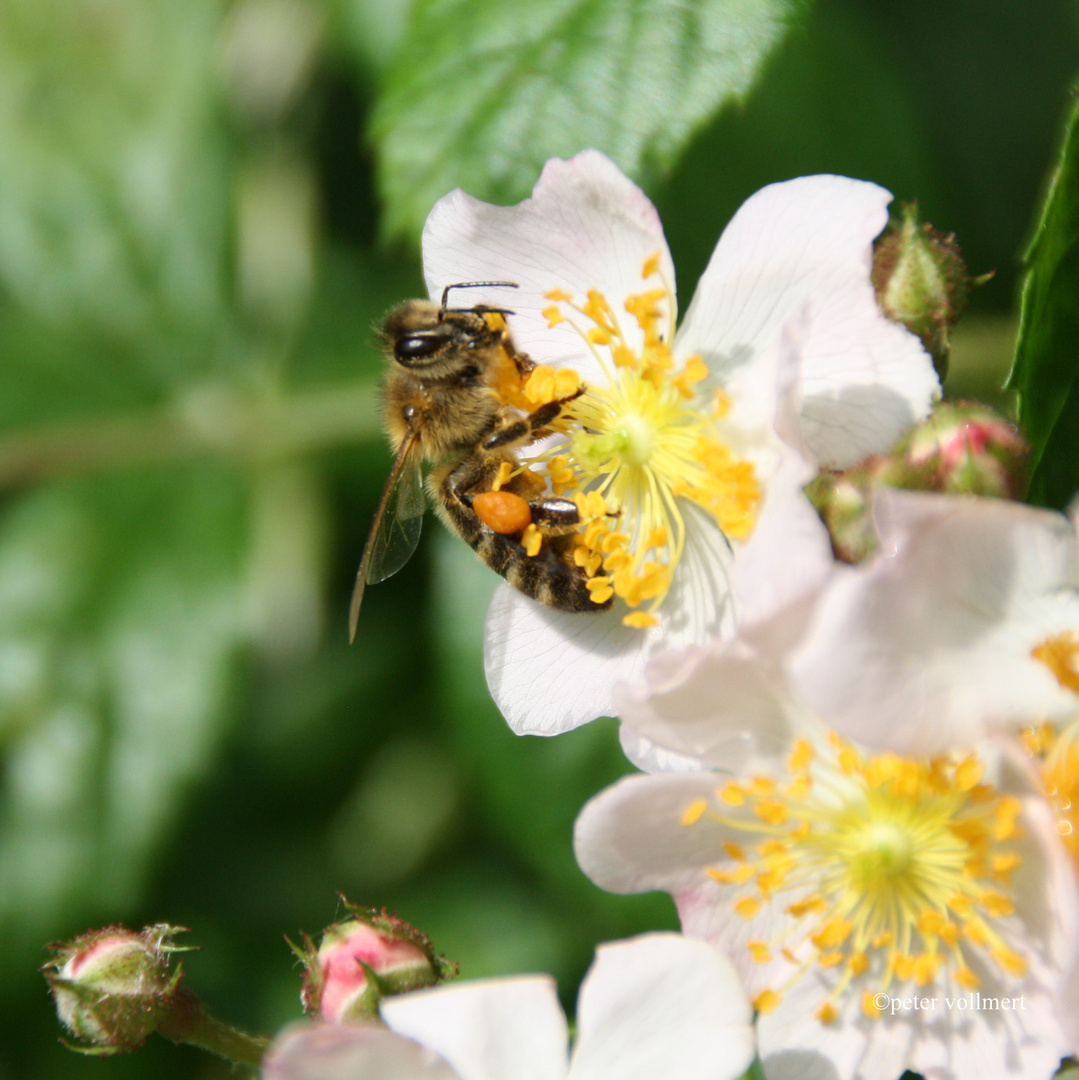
(549,576)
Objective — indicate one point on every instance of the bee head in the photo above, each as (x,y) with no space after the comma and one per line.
(437,341)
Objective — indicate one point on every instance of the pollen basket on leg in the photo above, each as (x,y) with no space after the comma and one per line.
(629,451)
(887,867)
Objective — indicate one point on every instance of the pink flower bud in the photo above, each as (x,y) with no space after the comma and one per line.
(963,448)
(361,960)
(966,448)
(112,986)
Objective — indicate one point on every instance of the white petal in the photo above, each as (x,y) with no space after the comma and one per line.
(492,1029)
(724,705)
(551,671)
(630,838)
(662,1006)
(349,1052)
(865,380)
(586,226)
(923,647)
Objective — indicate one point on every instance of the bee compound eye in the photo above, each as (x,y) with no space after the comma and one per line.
(417,346)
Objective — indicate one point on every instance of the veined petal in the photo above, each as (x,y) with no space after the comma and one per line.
(629,838)
(491,1029)
(585,227)
(551,671)
(350,1052)
(662,1005)
(925,646)
(808,242)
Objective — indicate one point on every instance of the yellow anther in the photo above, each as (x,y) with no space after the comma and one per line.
(553,315)
(766,1001)
(925,968)
(870,1006)
(639,620)
(798,789)
(617,560)
(558,295)
(771,811)
(903,966)
(827,1013)
(961,904)
(747,907)
(566,382)
(613,541)
(858,963)
(738,876)
(996,905)
(965,977)
(830,959)
(594,532)
(1004,865)
(651,265)
(1006,812)
(624,357)
(694,812)
(532,541)
(759,951)
(801,757)
(810,905)
(1009,960)
(968,773)
(599,335)
(735,851)
(1060,654)
(505,471)
(832,932)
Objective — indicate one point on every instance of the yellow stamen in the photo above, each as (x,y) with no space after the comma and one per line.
(643,441)
(1060,654)
(889,868)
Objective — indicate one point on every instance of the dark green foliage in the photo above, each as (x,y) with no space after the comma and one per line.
(1046,370)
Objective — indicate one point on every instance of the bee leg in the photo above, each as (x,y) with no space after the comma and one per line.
(555,516)
(529,427)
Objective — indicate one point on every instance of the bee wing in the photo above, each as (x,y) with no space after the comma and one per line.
(395,531)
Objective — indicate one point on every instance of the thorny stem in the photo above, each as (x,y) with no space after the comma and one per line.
(186,1020)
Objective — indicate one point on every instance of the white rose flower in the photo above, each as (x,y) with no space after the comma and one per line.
(656,1006)
(886,912)
(689,449)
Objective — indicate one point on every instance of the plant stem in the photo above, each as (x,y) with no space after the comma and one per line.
(186,1020)
(210,421)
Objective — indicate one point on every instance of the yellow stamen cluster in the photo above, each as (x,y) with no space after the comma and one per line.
(1060,654)
(634,447)
(1060,775)
(884,863)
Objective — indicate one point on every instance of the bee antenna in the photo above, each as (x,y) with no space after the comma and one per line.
(476,285)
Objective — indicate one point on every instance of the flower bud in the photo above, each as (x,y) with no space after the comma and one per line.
(921,281)
(363,959)
(963,448)
(112,986)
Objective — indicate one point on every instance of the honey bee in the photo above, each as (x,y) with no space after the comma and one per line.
(441,405)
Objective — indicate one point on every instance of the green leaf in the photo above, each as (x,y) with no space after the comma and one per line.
(481,94)
(119,619)
(1046,368)
(114,199)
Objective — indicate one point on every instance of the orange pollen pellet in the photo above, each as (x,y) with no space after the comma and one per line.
(502,511)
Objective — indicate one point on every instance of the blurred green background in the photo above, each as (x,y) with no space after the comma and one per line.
(199,226)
